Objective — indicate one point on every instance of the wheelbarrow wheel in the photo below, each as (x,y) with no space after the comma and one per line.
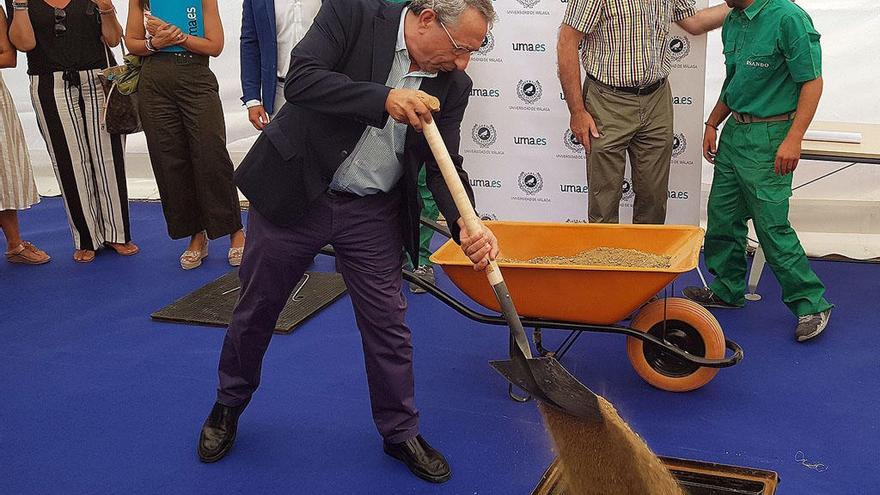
(685,325)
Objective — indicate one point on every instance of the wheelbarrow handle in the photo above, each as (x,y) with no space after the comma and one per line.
(473,224)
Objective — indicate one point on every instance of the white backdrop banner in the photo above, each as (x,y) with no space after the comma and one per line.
(524,162)
(522,141)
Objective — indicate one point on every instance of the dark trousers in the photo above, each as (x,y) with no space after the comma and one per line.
(366,234)
(182,116)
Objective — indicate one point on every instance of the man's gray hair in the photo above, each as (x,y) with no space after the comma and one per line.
(449,10)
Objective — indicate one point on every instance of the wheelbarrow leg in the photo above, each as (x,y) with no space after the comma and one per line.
(758,263)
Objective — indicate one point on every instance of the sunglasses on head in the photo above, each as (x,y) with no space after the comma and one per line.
(60,17)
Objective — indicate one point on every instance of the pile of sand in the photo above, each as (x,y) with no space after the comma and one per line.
(602,256)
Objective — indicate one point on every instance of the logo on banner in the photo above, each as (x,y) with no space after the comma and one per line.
(486,92)
(678,195)
(487,216)
(682,100)
(628,191)
(486,183)
(531,183)
(574,149)
(530,140)
(529,91)
(529,8)
(484,135)
(571,142)
(488,43)
(679,144)
(679,47)
(574,188)
(529,47)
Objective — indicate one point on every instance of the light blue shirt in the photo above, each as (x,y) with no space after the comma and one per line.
(374,165)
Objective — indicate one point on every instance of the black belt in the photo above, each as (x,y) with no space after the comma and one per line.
(646,90)
(333,193)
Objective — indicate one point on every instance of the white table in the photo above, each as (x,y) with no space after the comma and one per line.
(868,151)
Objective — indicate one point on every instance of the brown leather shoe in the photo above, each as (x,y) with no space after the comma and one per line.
(422,459)
(28,254)
(218,432)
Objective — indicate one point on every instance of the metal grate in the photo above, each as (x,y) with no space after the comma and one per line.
(694,477)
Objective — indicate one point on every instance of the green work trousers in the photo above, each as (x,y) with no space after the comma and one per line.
(746,186)
(430,211)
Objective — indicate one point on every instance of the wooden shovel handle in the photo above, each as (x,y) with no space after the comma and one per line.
(453,182)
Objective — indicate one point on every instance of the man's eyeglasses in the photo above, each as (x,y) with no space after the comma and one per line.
(60,16)
(456,48)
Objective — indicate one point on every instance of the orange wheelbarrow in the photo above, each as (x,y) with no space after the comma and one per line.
(674,344)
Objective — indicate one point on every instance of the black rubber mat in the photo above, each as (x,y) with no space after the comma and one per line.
(213,303)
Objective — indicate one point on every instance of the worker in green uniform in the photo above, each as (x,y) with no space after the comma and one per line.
(425,269)
(772,89)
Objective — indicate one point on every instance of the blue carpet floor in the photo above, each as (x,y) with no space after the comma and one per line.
(97,398)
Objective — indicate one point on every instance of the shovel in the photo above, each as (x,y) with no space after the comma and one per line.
(542,377)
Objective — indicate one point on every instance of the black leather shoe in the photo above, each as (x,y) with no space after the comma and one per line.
(421,459)
(218,432)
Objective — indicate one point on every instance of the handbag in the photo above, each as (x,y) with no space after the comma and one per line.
(120,114)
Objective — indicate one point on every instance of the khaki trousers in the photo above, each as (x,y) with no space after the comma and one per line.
(640,126)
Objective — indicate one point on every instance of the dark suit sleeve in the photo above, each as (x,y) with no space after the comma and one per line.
(250,55)
(313,83)
(449,125)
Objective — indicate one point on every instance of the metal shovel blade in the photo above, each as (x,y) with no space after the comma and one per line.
(548,381)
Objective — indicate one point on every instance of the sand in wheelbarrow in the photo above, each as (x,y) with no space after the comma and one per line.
(602,256)
(606,458)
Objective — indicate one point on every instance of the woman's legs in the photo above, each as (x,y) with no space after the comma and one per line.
(17,250)
(9,225)
(88,162)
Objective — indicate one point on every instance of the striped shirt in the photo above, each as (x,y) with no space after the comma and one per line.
(374,165)
(627,41)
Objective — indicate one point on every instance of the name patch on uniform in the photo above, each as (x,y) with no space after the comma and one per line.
(752,63)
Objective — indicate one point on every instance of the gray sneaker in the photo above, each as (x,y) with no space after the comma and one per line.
(425,273)
(705,297)
(811,326)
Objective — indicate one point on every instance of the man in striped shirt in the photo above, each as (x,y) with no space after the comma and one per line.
(625,104)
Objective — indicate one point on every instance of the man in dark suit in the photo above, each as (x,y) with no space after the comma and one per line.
(339,165)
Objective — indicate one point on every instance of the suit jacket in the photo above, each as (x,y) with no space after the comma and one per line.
(335,89)
(259,52)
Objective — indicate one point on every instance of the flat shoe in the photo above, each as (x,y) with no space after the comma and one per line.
(193,259)
(127,249)
(27,254)
(84,256)
(235,255)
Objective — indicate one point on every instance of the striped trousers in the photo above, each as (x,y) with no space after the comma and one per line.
(89,163)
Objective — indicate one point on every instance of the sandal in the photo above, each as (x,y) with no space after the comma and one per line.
(234,256)
(84,256)
(127,249)
(193,259)
(27,254)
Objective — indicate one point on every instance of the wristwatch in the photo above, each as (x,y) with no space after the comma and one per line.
(19,5)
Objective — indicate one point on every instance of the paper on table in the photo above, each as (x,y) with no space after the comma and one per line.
(833,136)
